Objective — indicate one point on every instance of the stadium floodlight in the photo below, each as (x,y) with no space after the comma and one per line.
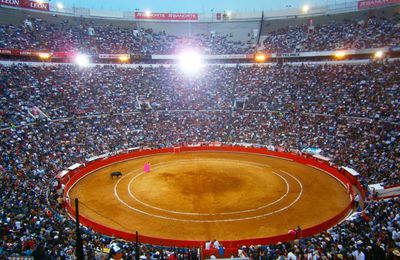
(60,6)
(378,54)
(228,13)
(44,55)
(81,60)
(191,62)
(147,13)
(305,8)
(260,57)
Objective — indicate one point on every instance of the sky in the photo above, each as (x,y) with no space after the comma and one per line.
(196,6)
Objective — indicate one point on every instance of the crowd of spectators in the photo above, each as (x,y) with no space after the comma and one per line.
(90,38)
(31,155)
(350,111)
(367,91)
(56,116)
(360,91)
(374,234)
(373,32)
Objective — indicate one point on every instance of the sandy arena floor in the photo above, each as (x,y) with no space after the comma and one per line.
(210,195)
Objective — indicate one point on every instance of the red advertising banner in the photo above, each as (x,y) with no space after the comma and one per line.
(34,5)
(26,4)
(9,2)
(5,51)
(167,16)
(62,54)
(365,4)
(18,52)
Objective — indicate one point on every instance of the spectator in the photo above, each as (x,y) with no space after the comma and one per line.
(372,33)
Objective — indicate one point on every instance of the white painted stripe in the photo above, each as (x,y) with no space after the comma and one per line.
(208,214)
(219,220)
(238,152)
(330,174)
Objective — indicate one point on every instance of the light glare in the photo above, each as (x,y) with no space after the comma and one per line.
(260,57)
(340,54)
(378,54)
(82,60)
(190,62)
(44,55)
(305,8)
(124,57)
(60,6)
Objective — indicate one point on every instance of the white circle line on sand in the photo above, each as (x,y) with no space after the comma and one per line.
(211,221)
(210,214)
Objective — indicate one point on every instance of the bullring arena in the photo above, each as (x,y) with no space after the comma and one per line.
(199,130)
(193,194)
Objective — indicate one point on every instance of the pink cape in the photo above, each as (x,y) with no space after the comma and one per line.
(146,167)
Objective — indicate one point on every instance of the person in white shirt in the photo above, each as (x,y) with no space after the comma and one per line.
(357,200)
(396,237)
(240,252)
(18,225)
(216,244)
(358,255)
(208,245)
(291,256)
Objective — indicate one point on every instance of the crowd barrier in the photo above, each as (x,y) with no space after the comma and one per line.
(73,177)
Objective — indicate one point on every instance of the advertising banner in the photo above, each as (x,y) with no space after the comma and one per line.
(18,52)
(10,2)
(15,52)
(26,4)
(34,5)
(167,16)
(365,4)
(113,56)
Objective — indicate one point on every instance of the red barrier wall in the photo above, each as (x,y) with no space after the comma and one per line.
(75,175)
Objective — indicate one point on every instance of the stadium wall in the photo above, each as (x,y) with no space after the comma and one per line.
(338,62)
